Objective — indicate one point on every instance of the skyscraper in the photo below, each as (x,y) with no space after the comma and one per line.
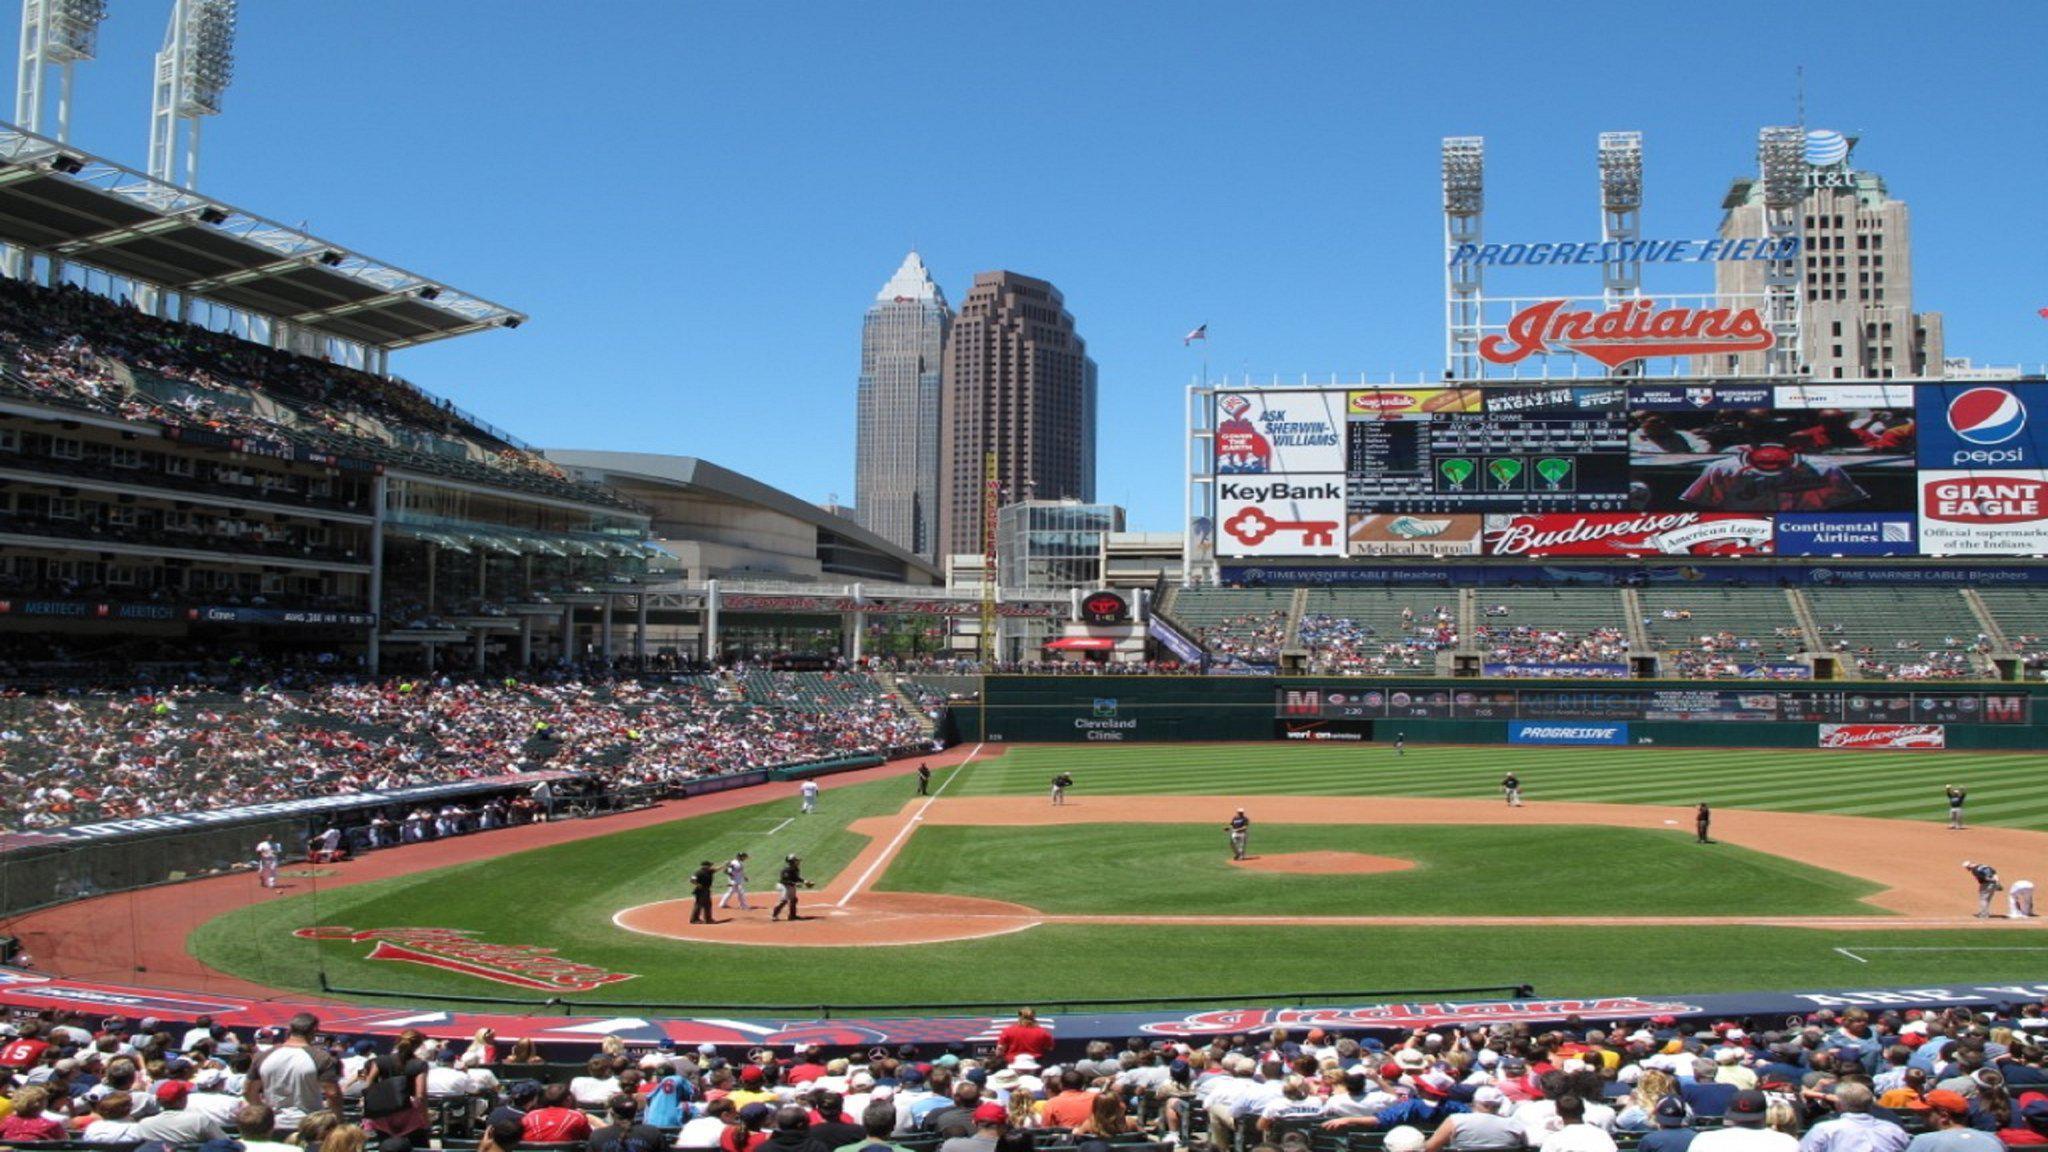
(896,440)
(1019,383)
(1857,275)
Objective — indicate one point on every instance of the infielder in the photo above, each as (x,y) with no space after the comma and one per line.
(809,788)
(1703,820)
(1987,886)
(1956,796)
(1511,787)
(791,880)
(266,862)
(2019,900)
(1060,784)
(736,883)
(1400,743)
(1240,829)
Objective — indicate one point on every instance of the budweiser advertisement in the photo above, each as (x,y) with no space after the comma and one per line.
(2000,512)
(1416,535)
(1629,534)
(1636,330)
(1883,736)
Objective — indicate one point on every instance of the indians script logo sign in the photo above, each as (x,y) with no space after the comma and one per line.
(453,950)
(1634,331)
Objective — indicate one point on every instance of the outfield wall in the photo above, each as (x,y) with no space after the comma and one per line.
(1134,709)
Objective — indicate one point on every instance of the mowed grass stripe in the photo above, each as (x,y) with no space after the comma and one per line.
(2006,788)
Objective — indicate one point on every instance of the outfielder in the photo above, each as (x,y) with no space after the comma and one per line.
(809,788)
(1987,886)
(1400,743)
(1956,796)
(1240,829)
(736,883)
(266,862)
(1511,787)
(791,880)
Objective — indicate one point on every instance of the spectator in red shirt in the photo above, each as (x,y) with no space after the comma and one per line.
(25,1052)
(1024,1038)
(554,1122)
(27,1121)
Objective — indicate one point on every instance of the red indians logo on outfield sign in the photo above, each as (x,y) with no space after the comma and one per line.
(1234,1020)
(453,950)
(1633,331)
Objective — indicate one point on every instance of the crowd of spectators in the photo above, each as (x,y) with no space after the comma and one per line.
(87,756)
(1340,645)
(1948,1080)
(1253,636)
(83,349)
(1534,644)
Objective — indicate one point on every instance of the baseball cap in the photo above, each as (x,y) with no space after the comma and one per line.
(990,1114)
(1405,1138)
(1747,1108)
(1513,1065)
(910,1074)
(173,1090)
(1435,1085)
(751,1074)
(1411,1059)
(756,1113)
(1489,1095)
(1941,1100)
(1671,1112)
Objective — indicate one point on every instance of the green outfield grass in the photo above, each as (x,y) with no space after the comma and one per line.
(1184,869)
(564,896)
(2008,788)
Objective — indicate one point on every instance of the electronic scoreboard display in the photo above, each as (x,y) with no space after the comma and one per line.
(1480,462)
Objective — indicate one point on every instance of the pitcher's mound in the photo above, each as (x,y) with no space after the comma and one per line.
(1326,863)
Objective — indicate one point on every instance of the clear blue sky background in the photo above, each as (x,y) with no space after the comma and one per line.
(697,201)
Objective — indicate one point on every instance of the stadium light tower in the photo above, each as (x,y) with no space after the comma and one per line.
(1464,165)
(192,72)
(1621,208)
(60,33)
(1781,159)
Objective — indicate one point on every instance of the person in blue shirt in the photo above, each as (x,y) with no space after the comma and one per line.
(1673,1131)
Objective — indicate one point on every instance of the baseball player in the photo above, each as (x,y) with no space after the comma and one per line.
(736,883)
(1703,819)
(2019,900)
(266,862)
(1956,796)
(700,893)
(791,880)
(1240,829)
(1987,886)
(924,779)
(1400,743)
(809,788)
(1060,784)
(1511,787)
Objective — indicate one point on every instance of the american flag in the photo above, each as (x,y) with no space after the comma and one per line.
(1202,333)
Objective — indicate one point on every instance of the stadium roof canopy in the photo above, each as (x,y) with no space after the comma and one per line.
(74,206)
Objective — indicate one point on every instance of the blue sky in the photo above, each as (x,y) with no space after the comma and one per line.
(696,201)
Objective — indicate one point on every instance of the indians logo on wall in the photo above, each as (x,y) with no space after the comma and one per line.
(455,950)
(1634,331)
(1233,1020)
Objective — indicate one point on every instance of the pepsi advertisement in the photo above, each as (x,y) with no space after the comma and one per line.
(1977,427)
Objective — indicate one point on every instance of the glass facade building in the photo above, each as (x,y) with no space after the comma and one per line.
(1053,545)
(896,450)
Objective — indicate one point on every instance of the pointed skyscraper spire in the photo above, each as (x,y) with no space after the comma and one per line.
(911,283)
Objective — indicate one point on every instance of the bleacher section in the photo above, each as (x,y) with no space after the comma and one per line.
(1900,633)
(1378,631)
(1720,633)
(1563,631)
(1249,623)
(2022,614)
(812,691)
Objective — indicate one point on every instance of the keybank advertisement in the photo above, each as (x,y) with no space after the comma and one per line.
(1982,426)
(1557,732)
(1842,534)
(1280,515)
(1264,432)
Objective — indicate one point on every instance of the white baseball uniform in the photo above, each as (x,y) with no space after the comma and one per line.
(810,791)
(266,862)
(735,884)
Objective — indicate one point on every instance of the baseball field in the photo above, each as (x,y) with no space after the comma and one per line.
(1367,871)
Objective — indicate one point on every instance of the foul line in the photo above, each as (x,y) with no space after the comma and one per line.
(909,826)
(781,826)
(1852,956)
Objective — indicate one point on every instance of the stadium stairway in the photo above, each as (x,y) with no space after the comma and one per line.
(1803,612)
(909,705)
(1987,619)
(1632,613)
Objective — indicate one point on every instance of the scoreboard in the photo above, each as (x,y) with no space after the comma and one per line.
(1483,463)
(1877,704)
